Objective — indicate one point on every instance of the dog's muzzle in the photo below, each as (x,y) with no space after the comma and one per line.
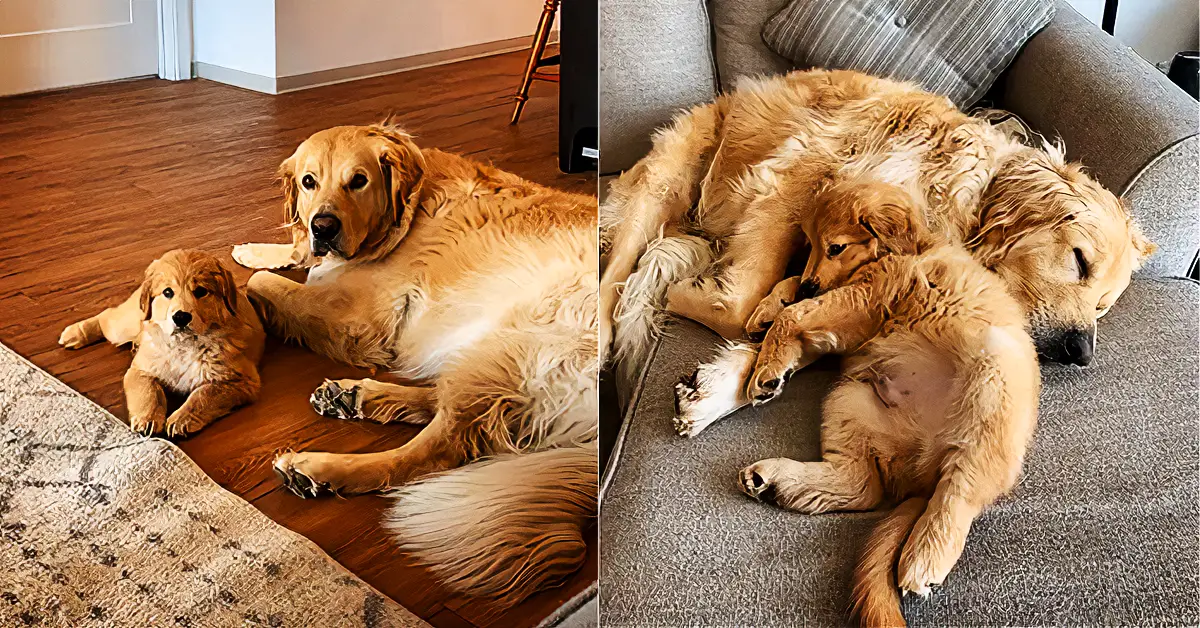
(1074,346)
(325,229)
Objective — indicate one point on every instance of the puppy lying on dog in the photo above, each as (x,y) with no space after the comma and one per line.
(194,333)
(934,409)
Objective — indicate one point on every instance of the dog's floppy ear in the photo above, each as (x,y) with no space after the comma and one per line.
(403,168)
(891,222)
(146,291)
(1144,247)
(228,288)
(287,182)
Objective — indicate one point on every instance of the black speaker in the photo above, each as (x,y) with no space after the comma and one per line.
(578,112)
(1185,72)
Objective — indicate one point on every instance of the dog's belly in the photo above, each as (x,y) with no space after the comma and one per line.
(914,382)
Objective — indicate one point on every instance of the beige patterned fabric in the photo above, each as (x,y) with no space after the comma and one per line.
(102,527)
(956,48)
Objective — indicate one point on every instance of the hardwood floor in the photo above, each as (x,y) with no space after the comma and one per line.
(98,181)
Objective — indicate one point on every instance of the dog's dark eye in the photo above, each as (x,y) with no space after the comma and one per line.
(200,292)
(168,293)
(836,249)
(358,181)
(1082,264)
(308,182)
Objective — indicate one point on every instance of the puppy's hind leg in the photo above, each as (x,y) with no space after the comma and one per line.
(844,479)
(118,325)
(371,400)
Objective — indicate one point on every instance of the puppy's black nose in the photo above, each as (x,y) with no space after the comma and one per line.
(807,290)
(1077,345)
(181,318)
(326,226)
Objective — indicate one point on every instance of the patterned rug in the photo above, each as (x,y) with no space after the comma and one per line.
(102,527)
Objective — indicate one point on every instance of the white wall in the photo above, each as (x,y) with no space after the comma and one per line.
(235,34)
(1156,29)
(315,35)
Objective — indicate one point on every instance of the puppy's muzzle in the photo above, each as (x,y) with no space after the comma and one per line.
(325,229)
(181,319)
(1073,346)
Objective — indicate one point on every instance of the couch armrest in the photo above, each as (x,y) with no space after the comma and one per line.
(1121,118)
(1114,110)
(656,59)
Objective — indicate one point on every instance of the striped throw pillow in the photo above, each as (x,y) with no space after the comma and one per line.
(952,47)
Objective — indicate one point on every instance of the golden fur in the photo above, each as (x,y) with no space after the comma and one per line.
(935,407)
(741,173)
(481,288)
(212,358)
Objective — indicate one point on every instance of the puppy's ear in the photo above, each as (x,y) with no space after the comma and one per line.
(403,168)
(891,224)
(146,291)
(227,287)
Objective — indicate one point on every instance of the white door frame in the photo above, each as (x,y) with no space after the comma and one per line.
(175,39)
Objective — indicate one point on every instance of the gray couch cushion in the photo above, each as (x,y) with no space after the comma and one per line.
(952,47)
(655,61)
(738,46)
(1100,530)
(1165,200)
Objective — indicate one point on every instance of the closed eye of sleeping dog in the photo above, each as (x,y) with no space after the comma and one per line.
(193,333)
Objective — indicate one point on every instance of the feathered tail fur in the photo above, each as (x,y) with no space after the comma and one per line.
(876,597)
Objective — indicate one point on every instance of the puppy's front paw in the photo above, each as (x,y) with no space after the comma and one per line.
(767,382)
(756,481)
(338,400)
(291,469)
(182,425)
(762,317)
(74,337)
(147,425)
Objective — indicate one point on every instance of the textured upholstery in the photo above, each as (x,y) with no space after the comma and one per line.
(1101,529)
(655,61)
(738,45)
(1113,109)
(956,48)
(1165,200)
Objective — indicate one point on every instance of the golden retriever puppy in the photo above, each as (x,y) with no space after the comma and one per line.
(732,175)
(478,286)
(194,333)
(934,409)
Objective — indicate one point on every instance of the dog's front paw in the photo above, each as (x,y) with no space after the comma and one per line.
(762,317)
(180,425)
(767,382)
(74,337)
(260,256)
(147,425)
(293,472)
(340,399)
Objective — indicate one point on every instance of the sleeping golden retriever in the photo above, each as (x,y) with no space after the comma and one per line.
(193,332)
(710,217)
(479,286)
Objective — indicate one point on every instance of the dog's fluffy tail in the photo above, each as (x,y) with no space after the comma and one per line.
(876,597)
(638,318)
(501,528)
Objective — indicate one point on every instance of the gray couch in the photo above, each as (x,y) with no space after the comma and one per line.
(1102,528)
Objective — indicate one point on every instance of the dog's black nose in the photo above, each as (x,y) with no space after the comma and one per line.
(326,226)
(1077,345)
(807,290)
(181,318)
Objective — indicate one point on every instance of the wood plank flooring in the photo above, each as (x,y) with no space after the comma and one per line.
(96,182)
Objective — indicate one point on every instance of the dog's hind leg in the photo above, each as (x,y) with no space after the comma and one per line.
(118,325)
(846,478)
(715,390)
(371,400)
(660,188)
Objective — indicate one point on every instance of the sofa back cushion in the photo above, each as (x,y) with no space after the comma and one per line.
(738,46)
(956,48)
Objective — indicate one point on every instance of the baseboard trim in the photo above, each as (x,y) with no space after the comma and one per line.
(380,68)
(236,78)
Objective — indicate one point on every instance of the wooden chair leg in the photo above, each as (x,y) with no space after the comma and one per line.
(539,46)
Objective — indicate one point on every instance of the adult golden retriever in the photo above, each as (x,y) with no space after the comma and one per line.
(709,218)
(480,286)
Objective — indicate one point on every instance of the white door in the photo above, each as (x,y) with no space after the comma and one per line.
(46,44)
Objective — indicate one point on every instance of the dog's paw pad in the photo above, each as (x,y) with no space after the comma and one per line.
(756,485)
(332,400)
(295,481)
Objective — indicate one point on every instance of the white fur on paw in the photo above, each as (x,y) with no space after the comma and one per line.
(713,391)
